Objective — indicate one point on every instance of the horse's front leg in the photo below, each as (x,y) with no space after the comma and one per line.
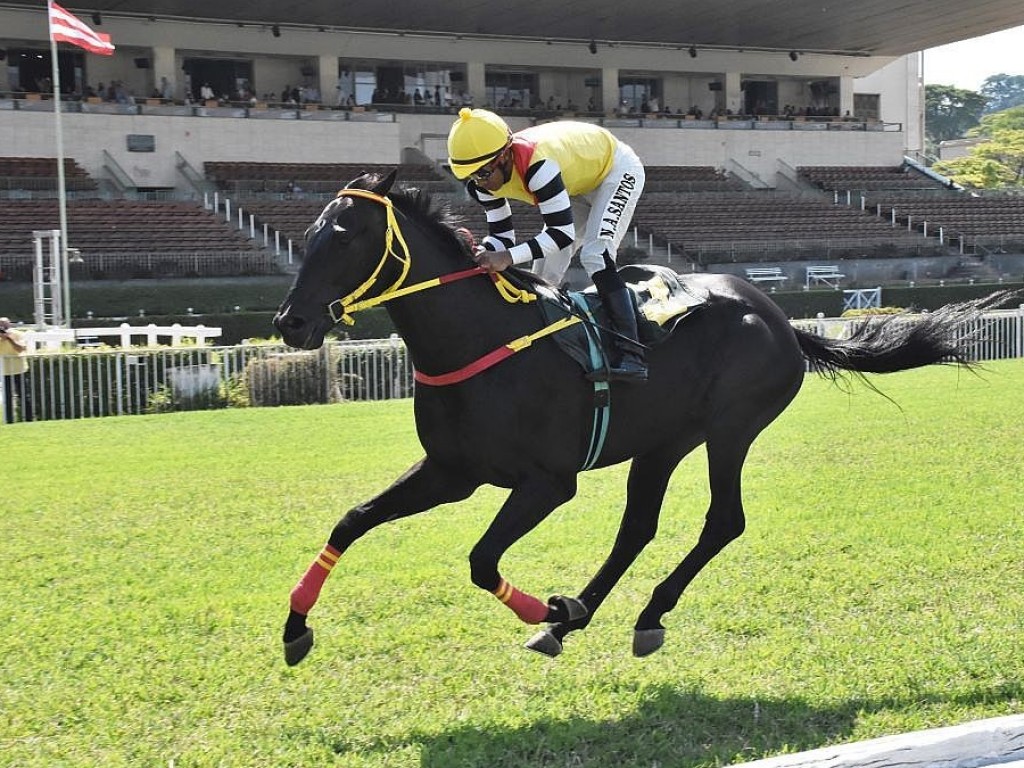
(648,481)
(422,487)
(528,504)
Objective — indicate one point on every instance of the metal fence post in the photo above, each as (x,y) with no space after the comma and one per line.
(1020,331)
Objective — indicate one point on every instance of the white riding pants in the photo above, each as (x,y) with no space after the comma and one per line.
(601,218)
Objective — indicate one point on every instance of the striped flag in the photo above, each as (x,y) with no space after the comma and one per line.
(67,28)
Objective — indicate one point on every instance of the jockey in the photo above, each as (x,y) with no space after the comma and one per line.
(586,184)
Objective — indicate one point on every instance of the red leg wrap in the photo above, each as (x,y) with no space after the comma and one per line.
(526,607)
(306,592)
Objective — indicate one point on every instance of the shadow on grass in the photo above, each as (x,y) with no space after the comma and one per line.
(669,728)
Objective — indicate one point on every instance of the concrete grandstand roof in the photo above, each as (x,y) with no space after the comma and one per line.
(865,27)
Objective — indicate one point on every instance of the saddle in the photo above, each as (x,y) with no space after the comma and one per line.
(662,300)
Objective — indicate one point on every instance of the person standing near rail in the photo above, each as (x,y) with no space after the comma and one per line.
(14,367)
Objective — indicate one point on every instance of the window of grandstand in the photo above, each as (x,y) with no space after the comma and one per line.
(761,97)
(29,70)
(639,93)
(512,89)
(867,106)
(413,83)
(227,79)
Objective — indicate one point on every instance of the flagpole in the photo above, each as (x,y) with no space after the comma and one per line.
(61,192)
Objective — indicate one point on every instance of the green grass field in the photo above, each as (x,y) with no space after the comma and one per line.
(147,563)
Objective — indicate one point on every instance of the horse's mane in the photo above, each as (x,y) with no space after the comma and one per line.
(438,217)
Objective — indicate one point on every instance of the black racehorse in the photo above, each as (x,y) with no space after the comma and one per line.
(527,423)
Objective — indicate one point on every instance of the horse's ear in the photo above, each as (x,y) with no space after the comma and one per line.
(383,186)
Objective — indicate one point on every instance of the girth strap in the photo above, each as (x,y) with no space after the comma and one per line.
(493,357)
(602,394)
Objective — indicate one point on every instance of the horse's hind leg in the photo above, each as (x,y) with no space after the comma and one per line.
(648,480)
(724,522)
(424,486)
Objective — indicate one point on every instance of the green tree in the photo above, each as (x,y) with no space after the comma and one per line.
(1008,120)
(993,164)
(1007,149)
(1003,91)
(974,172)
(950,112)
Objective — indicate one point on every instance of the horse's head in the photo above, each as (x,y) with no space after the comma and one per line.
(345,248)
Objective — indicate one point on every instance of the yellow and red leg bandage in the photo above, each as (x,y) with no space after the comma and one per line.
(526,607)
(306,592)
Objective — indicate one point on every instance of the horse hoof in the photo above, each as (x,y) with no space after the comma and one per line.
(647,641)
(564,609)
(296,650)
(546,643)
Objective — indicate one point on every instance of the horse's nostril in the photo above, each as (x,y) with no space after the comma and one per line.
(289,322)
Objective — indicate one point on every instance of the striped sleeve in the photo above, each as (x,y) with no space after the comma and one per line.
(544,180)
(501,235)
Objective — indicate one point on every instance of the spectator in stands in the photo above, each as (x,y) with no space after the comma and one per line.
(14,367)
(166,91)
(206,92)
(574,172)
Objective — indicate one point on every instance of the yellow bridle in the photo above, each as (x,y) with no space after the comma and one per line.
(341,310)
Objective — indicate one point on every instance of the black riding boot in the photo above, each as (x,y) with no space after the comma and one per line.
(630,365)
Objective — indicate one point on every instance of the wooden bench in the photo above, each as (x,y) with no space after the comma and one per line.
(766,275)
(829,275)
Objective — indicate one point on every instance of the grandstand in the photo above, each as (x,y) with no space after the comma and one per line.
(157,173)
(691,217)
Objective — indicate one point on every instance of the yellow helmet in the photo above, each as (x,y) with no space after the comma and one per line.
(476,138)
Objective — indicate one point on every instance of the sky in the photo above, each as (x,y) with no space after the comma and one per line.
(966,64)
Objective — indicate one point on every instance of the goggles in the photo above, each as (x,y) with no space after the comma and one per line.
(486,171)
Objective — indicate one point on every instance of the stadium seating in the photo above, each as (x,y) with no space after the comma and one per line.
(986,219)
(40,173)
(120,225)
(917,202)
(675,178)
(713,227)
(246,178)
(842,178)
(122,238)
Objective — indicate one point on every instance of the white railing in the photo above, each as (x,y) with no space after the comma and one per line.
(100,381)
(124,335)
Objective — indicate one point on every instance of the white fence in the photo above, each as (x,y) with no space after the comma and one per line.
(95,382)
(100,381)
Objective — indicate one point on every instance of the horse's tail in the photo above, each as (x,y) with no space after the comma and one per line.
(889,343)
